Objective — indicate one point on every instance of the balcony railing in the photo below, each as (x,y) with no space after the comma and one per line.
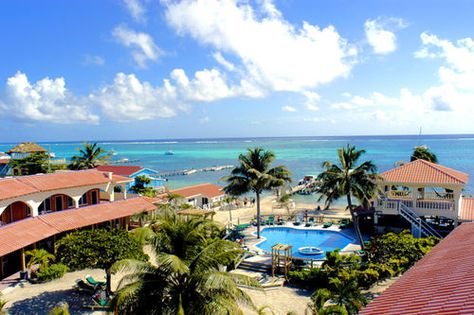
(437,207)
(408,195)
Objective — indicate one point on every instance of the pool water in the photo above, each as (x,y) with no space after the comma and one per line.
(326,240)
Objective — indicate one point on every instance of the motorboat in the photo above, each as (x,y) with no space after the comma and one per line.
(169,152)
(310,250)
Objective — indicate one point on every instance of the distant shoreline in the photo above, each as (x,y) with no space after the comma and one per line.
(231,139)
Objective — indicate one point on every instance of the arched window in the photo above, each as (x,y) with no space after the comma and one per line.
(56,202)
(15,212)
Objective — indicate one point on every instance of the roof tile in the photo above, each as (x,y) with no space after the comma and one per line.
(442,282)
(424,172)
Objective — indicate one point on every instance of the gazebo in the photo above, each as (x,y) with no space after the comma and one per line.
(24,149)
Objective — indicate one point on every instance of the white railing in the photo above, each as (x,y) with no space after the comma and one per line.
(406,194)
(435,205)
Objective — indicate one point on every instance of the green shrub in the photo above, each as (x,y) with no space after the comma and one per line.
(312,279)
(367,277)
(51,272)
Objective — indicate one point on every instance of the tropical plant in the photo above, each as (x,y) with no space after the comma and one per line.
(90,156)
(175,235)
(350,180)
(54,271)
(39,257)
(141,186)
(318,301)
(423,152)
(34,163)
(398,250)
(98,248)
(265,310)
(173,285)
(2,305)
(254,174)
(62,309)
(345,291)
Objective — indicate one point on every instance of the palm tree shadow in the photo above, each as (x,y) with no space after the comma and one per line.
(44,302)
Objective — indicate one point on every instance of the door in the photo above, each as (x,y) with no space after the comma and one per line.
(59,203)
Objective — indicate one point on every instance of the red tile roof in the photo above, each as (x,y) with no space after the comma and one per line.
(440,283)
(423,172)
(24,185)
(207,190)
(20,234)
(23,233)
(467,209)
(120,169)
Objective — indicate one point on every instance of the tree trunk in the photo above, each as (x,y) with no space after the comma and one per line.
(108,281)
(355,221)
(258,215)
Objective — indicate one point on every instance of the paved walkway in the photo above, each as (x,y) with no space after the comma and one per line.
(26,298)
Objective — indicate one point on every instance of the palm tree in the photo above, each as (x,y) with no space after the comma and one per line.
(2,305)
(349,179)
(422,152)
(187,276)
(90,156)
(39,257)
(255,175)
(318,301)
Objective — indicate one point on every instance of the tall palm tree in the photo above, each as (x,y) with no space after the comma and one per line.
(350,180)
(255,175)
(422,152)
(90,156)
(187,276)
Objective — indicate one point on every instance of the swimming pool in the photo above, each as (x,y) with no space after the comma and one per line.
(326,240)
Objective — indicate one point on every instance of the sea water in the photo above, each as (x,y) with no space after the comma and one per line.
(302,155)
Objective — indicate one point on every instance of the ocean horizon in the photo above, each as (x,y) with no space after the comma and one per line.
(303,155)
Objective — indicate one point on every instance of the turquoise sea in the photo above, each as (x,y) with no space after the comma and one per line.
(302,155)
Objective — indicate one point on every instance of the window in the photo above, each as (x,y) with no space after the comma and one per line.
(83,200)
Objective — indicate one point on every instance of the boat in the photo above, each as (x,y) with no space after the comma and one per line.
(169,152)
(310,250)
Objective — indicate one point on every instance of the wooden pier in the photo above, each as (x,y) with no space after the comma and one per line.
(194,170)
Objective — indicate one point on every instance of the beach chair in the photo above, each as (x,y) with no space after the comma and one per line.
(310,222)
(241,227)
(84,286)
(327,225)
(298,221)
(271,220)
(280,221)
(94,282)
(344,223)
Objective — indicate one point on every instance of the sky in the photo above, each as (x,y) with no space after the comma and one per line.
(150,69)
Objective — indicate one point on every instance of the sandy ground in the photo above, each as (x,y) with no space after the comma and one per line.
(26,298)
(270,206)
(280,300)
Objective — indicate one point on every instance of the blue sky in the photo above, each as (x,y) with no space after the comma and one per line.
(143,69)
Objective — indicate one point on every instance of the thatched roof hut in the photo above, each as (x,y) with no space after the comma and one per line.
(27,147)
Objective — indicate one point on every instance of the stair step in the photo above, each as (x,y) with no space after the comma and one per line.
(254,266)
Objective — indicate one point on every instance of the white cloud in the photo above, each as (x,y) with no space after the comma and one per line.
(204,120)
(312,99)
(127,98)
(289,109)
(136,9)
(144,48)
(274,53)
(206,86)
(93,60)
(445,106)
(47,100)
(380,34)
(223,62)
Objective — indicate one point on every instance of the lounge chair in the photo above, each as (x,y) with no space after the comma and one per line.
(94,282)
(271,220)
(84,286)
(344,223)
(327,225)
(310,222)
(99,303)
(298,221)
(280,221)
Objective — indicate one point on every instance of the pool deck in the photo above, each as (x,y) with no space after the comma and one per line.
(251,240)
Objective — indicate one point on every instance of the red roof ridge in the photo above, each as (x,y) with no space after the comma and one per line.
(443,169)
(453,174)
